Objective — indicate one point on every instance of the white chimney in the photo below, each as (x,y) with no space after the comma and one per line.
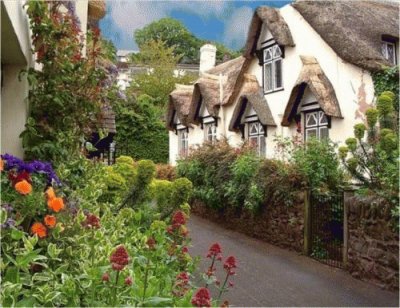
(208,54)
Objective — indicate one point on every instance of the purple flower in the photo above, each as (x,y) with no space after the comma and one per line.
(8,224)
(121,95)
(7,207)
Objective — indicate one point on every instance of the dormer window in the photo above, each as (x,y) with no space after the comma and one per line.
(183,142)
(389,51)
(256,137)
(272,68)
(210,132)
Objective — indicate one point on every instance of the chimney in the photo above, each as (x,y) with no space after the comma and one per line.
(207,57)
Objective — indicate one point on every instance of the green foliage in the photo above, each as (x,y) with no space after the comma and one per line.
(240,190)
(165,172)
(374,162)
(175,34)
(318,162)
(159,80)
(65,94)
(182,191)
(141,132)
(388,80)
(359,130)
(223,176)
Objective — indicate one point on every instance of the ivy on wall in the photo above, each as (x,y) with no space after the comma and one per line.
(387,80)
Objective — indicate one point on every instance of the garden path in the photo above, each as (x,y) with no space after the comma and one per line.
(271,276)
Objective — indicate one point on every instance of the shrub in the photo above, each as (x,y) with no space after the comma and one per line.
(374,161)
(182,190)
(165,172)
(319,164)
(161,191)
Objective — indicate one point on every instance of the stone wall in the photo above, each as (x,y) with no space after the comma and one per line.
(280,225)
(373,244)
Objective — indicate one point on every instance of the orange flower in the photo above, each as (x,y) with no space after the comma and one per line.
(56,204)
(50,221)
(50,193)
(23,187)
(1,164)
(39,229)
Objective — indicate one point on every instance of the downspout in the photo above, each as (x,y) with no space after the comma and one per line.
(221,96)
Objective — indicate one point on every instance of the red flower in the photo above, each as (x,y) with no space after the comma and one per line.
(231,284)
(178,219)
(105,277)
(214,251)
(15,178)
(230,265)
(202,298)
(183,276)
(119,258)
(151,242)
(185,249)
(128,281)
(92,221)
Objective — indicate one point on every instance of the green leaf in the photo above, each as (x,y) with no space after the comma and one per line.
(16,234)
(12,275)
(27,302)
(156,301)
(3,216)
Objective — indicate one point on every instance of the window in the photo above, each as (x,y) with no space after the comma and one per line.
(256,137)
(389,51)
(210,132)
(316,125)
(272,69)
(183,145)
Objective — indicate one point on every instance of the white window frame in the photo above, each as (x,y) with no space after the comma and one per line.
(183,142)
(210,136)
(322,122)
(258,136)
(276,56)
(385,53)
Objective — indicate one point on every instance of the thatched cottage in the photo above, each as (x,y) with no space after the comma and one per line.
(305,72)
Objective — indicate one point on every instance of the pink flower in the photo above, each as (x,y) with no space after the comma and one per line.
(215,250)
(105,277)
(128,281)
(178,219)
(230,265)
(231,284)
(202,298)
(119,258)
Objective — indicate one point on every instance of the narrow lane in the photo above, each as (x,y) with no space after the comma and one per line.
(271,276)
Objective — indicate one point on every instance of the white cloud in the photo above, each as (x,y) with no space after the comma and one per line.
(131,15)
(237,26)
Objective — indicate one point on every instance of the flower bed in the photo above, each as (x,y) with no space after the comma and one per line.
(96,238)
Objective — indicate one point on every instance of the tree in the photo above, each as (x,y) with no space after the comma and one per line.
(175,34)
(374,160)
(159,79)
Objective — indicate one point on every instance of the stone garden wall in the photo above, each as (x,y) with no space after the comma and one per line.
(373,244)
(280,224)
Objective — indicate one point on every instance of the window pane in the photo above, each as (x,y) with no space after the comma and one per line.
(391,53)
(267,54)
(253,129)
(384,50)
(311,133)
(277,51)
(311,119)
(254,141)
(262,146)
(260,128)
(278,74)
(322,118)
(323,133)
(268,77)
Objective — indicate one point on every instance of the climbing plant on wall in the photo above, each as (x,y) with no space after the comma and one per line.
(66,92)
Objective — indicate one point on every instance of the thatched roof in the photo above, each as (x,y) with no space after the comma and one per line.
(207,87)
(275,23)
(311,75)
(353,29)
(251,93)
(179,104)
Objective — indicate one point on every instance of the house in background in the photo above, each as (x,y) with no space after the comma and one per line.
(16,55)
(305,73)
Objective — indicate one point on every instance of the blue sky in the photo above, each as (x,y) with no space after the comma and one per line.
(226,22)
